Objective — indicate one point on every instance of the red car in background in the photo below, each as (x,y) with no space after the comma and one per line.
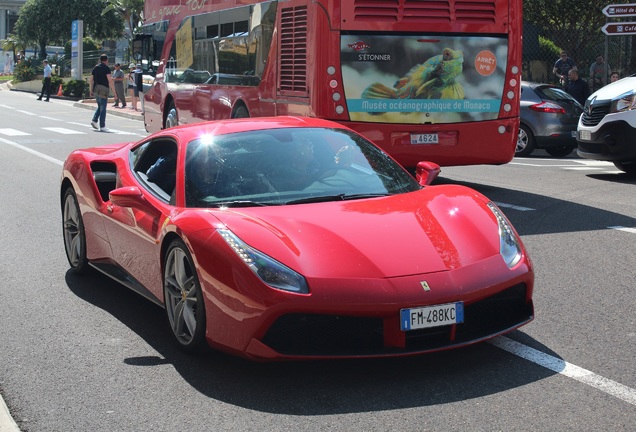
(294,238)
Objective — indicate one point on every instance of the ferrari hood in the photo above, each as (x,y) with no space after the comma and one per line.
(436,229)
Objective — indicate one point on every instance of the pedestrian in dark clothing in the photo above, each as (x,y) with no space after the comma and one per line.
(118,79)
(577,88)
(46,85)
(101,84)
(562,66)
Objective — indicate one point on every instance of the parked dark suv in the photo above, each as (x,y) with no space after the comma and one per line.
(549,117)
(607,129)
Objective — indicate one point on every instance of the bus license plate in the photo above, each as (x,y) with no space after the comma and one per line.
(431,316)
(585,135)
(430,138)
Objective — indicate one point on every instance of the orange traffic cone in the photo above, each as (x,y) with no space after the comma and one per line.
(59,90)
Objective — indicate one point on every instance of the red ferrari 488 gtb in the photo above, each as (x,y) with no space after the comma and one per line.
(294,238)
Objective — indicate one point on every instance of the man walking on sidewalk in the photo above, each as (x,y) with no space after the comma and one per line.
(46,85)
(100,84)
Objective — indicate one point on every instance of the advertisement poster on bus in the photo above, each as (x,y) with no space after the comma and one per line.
(423,79)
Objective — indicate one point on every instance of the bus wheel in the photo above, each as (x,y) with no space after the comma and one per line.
(172,118)
(241,112)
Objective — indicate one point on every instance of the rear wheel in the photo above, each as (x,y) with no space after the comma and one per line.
(183,298)
(525,141)
(560,151)
(241,112)
(74,234)
(172,118)
(627,167)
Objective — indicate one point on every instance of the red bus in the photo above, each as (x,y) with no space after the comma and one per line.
(435,80)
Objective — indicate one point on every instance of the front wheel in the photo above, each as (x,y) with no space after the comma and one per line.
(185,310)
(560,151)
(172,118)
(525,141)
(74,234)
(627,167)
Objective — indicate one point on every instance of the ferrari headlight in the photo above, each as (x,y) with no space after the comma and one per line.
(624,102)
(269,270)
(509,246)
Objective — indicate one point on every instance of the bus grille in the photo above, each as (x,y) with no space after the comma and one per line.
(460,11)
(594,114)
(293,44)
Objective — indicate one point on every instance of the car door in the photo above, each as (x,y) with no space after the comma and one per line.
(133,232)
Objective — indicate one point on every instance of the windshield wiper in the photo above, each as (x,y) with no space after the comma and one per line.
(242,203)
(339,197)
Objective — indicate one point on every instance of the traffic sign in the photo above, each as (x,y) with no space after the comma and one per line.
(620,10)
(624,28)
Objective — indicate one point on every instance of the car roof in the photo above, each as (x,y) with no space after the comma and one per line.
(533,84)
(222,127)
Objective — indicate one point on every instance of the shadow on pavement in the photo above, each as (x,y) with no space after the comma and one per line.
(314,387)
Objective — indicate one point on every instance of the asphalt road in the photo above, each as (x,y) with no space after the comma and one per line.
(84,353)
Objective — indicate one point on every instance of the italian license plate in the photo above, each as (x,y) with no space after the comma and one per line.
(429,138)
(431,316)
(585,135)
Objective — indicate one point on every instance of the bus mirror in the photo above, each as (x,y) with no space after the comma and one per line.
(426,172)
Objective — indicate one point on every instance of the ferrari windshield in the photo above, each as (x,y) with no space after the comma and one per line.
(289,166)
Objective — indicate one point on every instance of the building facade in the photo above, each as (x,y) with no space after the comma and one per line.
(9,15)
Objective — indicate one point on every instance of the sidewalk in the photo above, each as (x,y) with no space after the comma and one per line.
(89,104)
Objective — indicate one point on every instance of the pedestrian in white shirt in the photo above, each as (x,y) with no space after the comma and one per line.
(46,85)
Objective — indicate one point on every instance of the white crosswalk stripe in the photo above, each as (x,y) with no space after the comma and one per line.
(64,131)
(113,131)
(12,132)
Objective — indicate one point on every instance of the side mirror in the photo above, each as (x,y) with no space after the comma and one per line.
(426,172)
(131,196)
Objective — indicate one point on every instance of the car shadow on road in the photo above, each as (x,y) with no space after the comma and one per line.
(533,214)
(315,387)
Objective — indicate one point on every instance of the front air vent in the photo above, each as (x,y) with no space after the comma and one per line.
(450,11)
(293,50)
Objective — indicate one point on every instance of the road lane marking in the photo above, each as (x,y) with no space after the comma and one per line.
(569,370)
(622,228)
(12,132)
(514,207)
(26,112)
(64,131)
(33,152)
(7,424)
(538,165)
(112,131)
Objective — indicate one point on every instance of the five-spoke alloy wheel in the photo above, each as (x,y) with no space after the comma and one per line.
(74,235)
(183,298)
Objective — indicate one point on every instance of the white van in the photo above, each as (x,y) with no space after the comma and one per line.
(607,127)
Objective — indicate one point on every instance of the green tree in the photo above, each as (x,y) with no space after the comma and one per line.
(43,22)
(130,11)
(11,43)
(572,25)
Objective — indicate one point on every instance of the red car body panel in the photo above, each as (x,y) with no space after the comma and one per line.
(361,258)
